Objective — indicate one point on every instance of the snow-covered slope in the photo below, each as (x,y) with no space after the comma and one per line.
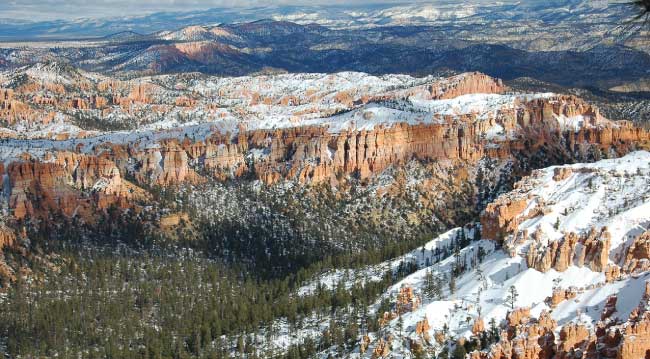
(435,249)
(611,194)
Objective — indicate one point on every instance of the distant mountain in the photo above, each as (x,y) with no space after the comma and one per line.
(568,42)
(125,36)
(585,16)
(281,46)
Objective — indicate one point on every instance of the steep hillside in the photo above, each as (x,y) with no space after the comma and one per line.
(561,271)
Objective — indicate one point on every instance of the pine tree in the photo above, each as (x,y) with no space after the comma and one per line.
(511,299)
(452,283)
(459,352)
(400,324)
(481,254)
(430,285)
(494,330)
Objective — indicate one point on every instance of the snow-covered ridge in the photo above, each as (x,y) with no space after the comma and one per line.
(195,107)
(338,101)
(612,194)
(260,117)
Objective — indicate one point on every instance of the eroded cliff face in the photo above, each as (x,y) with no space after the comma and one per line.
(311,155)
(466,84)
(550,246)
(637,255)
(315,155)
(330,130)
(593,252)
(590,218)
(68,184)
(7,237)
(635,338)
(524,337)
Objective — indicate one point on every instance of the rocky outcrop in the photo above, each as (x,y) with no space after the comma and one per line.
(612,273)
(364,344)
(7,237)
(524,338)
(560,295)
(172,220)
(562,173)
(635,342)
(637,255)
(141,93)
(593,252)
(164,165)
(610,307)
(422,328)
(382,349)
(500,218)
(386,318)
(316,155)
(40,188)
(518,316)
(14,111)
(478,326)
(407,300)
(70,184)
(610,339)
(627,340)
(466,84)
(573,337)
(635,338)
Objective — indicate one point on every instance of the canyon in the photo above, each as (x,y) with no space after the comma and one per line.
(450,180)
(92,159)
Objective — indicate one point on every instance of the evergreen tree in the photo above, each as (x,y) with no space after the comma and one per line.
(452,283)
(494,331)
(511,299)
(431,285)
(459,352)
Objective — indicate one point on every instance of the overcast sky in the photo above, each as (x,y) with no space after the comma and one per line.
(71,9)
